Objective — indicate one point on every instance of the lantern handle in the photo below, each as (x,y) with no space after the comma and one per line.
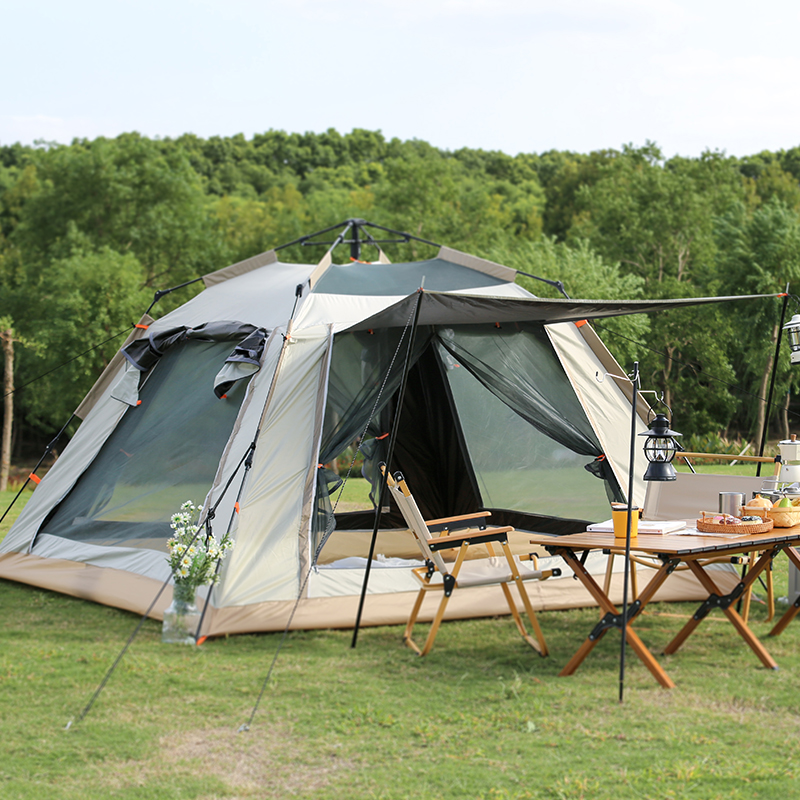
(659,399)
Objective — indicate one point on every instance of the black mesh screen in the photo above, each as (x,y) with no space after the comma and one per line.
(162,453)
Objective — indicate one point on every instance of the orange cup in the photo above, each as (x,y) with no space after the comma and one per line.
(620,517)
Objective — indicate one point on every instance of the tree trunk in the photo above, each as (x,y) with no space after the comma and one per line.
(8,406)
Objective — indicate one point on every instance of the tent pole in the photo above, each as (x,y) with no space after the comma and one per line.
(772,380)
(355,243)
(162,292)
(635,382)
(382,495)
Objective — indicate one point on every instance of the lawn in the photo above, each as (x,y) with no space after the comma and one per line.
(481,717)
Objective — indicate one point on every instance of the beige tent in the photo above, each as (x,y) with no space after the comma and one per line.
(293,363)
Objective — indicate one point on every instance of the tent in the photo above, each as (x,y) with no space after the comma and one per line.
(241,395)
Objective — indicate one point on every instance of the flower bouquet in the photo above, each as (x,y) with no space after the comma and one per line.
(193,559)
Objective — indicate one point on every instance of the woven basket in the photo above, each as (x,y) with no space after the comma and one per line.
(707,525)
(784,517)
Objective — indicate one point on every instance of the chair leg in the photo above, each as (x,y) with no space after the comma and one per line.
(437,621)
(539,644)
(411,621)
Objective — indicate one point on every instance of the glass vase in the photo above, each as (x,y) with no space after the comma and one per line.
(182,617)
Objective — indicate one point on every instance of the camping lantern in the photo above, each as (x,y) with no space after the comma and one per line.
(792,329)
(659,449)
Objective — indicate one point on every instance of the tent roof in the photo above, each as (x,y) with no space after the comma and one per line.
(398,279)
(262,291)
(438,308)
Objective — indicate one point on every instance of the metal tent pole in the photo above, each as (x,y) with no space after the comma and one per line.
(382,496)
(635,382)
(772,380)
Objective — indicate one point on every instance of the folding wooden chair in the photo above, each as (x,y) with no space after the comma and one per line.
(438,575)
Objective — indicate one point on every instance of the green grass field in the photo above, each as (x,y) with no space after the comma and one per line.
(481,717)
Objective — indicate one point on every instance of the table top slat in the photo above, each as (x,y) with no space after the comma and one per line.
(673,544)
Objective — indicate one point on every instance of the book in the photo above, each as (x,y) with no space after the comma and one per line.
(648,526)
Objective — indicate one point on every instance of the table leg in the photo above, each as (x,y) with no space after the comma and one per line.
(708,584)
(606,605)
(747,596)
(793,609)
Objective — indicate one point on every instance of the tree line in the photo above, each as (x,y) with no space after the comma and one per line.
(89,230)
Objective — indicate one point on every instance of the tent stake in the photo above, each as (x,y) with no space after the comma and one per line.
(382,495)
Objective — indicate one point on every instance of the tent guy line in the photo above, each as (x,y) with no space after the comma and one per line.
(210,515)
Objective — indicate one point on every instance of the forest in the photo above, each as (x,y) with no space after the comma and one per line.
(91,230)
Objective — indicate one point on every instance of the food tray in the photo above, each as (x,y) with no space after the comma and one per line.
(706,525)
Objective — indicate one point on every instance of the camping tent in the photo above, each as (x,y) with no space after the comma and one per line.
(239,396)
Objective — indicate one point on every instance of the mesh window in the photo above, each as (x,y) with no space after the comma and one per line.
(162,453)
(517,466)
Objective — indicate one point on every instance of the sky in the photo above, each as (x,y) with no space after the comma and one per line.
(510,75)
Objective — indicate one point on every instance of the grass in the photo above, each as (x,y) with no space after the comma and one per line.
(481,717)
(6,499)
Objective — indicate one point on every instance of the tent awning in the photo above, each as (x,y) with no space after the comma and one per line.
(437,308)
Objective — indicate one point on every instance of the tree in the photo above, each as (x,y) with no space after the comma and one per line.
(124,194)
(585,275)
(650,218)
(759,254)
(80,313)
(8,338)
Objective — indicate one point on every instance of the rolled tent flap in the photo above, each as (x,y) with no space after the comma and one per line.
(126,389)
(243,362)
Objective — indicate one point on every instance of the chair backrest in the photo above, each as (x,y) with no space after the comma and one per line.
(690,493)
(413,517)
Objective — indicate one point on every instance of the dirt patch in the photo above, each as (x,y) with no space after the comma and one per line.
(264,762)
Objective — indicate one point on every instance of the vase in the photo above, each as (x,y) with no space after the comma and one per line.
(182,617)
